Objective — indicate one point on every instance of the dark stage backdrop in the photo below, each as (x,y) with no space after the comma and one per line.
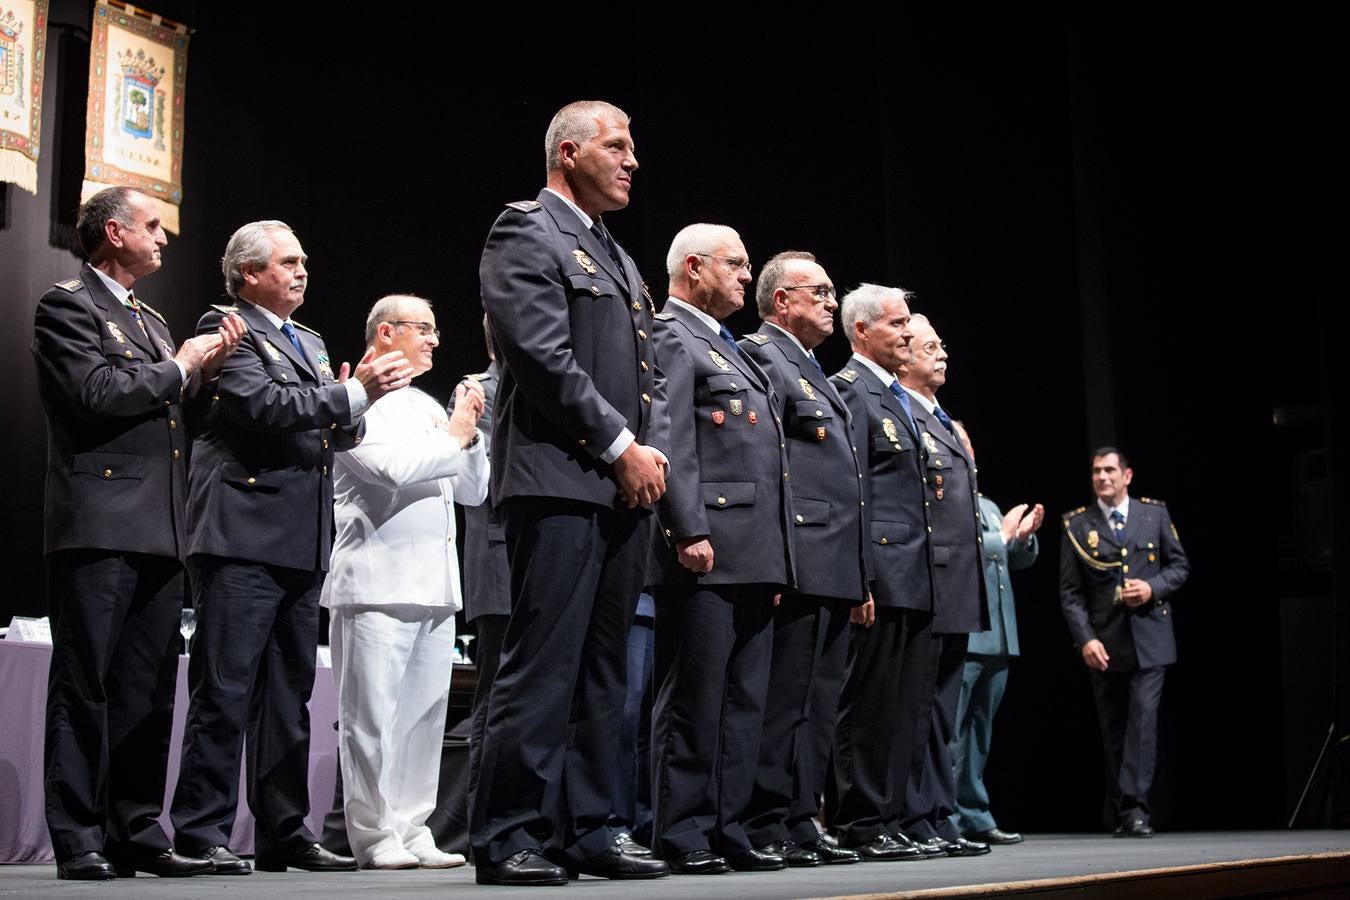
(1120,224)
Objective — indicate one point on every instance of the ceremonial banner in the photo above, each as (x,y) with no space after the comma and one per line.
(23,37)
(134,134)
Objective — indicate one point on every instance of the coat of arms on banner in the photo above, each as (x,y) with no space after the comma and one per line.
(134,133)
(23,37)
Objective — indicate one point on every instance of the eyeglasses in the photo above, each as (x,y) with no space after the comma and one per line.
(425,329)
(823,292)
(931,347)
(730,261)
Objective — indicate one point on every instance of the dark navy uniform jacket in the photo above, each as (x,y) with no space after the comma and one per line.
(261,485)
(1093,563)
(573,336)
(900,561)
(487,576)
(827,478)
(116,441)
(728,475)
(954,512)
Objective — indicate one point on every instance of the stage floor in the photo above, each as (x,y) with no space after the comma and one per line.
(1081,860)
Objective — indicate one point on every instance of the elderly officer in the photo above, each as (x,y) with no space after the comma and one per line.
(111,386)
(888,680)
(1120,563)
(958,586)
(810,631)
(1009,543)
(579,404)
(723,554)
(393,590)
(259,537)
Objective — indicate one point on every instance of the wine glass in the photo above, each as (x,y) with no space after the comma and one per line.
(187,626)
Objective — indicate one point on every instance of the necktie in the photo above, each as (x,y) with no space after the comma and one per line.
(945,419)
(903,397)
(815,362)
(289,330)
(729,338)
(1117,523)
(600,231)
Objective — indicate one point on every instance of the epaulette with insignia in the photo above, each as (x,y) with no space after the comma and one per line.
(1151,502)
(71,284)
(1074,512)
(152,311)
(849,375)
(525,206)
(225,309)
(305,328)
(664,316)
(477,376)
(758,338)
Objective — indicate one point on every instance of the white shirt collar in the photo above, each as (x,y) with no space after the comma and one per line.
(271,316)
(713,325)
(928,405)
(121,293)
(792,336)
(1124,508)
(887,378)
(585,219)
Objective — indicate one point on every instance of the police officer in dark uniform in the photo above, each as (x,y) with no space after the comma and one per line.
(1120,563)
(811,625)
(888,678)
(112,388)
(575,463)
(259,536)
(961,606)
(723,556)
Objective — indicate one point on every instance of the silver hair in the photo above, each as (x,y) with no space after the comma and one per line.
(771,278)
(250,245)
(863,304)
(575,122)
(695,239)
(387,309)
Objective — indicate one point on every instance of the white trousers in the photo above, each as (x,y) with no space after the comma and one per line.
(392,666)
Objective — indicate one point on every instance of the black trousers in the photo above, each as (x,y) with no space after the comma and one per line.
(546,773)
(881,725)
(806,676)
(1127,710)
(713,648)
(930,799)
(251,671)
(491,631)
(114,619)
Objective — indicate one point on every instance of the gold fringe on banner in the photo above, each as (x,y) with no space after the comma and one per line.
(134,127)
(23,40)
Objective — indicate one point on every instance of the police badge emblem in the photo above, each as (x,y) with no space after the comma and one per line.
(929,444)
(117,333)
(1093,539)
(752,418)
(272,351)
(584,261)
(719,360)
(891,435)
(736,407)
(820,432)
(718,417)
(806,388)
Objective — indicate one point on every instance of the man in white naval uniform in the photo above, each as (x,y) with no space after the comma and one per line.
(393,589)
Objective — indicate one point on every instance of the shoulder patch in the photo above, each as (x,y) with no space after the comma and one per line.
(71,285)
(154,312)
(226,309)
(1151,502)
(664,316)
(525,206)
(849,375)
(1073,513)
(758,338)
(305,328)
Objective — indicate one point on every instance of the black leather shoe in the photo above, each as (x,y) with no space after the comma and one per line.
(614,863)
(224,862)
(1134,828)
(88,866)
(313,858)
(827,853)
(624,841)
(698,862)
(889,848)
(996,836)
(528,867)
(963,847)
(932,847)
(756,861)
(165,864)
(794,854)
